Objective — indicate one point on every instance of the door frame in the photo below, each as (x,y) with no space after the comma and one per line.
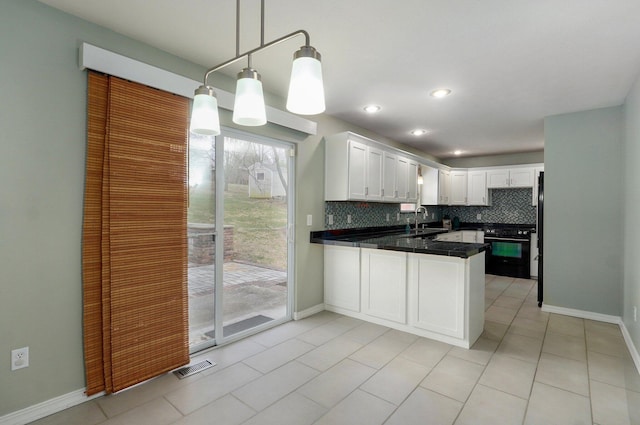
(220,339)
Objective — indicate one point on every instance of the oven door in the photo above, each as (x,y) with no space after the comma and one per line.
(508,257)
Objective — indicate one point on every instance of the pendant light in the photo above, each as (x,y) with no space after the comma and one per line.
(306,89)
(204,115)
(248,108)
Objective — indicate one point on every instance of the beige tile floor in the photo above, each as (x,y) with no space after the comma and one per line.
(529,367)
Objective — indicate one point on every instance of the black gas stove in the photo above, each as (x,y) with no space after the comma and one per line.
(509,249)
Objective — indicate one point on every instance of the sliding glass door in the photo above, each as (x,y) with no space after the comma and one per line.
(248,221)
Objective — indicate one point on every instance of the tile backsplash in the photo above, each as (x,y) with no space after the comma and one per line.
(511,206)
(370,214)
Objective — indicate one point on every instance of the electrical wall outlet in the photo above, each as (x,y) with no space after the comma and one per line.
(479,216)
(309,219)
(387,216)
(398,217)
(19,358)
(330,219)
(349,218)
(433,216)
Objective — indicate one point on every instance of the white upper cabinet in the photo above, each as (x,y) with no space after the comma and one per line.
(458,189)
(510,177)
(359,169)
(406,180)
(402,171)
(429,187)
(444,186)
(373,190)
(412,182)
(477,192)
(389,176)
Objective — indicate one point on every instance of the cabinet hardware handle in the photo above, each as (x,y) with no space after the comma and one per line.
(382,192)
(366,191)
(396,194)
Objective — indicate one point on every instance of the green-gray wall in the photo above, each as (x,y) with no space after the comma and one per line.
(631,214)
(584,195)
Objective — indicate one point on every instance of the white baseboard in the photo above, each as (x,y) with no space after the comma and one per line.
(46,408)
(582,314)
(632,348)
(308,312)
(600,318)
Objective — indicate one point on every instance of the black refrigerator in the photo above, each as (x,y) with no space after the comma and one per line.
(540,232)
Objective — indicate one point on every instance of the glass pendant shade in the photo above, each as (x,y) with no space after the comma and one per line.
(204,114)
(249,108)
(306,90)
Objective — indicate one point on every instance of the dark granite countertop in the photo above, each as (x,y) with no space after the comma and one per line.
(395,238)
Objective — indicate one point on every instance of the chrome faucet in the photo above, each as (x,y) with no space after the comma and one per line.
(424,209)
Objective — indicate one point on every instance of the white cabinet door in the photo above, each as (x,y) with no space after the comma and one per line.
(384,284)
(373,190)
(458,189)
(514,177)
(521,177)
(444,183)
(389,176)
(412,182)
(357,170)
(342,277)
(402,180)
(429,189)
(497,178)
(477,193)
(438,294)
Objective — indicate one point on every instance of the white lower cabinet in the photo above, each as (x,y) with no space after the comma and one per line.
(342,277)
(437,294)
(446,295)
(433,296)
(384,284)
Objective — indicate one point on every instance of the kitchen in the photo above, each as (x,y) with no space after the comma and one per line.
(590,157)
(362,174)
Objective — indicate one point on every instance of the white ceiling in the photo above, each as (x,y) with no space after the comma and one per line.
(509,63)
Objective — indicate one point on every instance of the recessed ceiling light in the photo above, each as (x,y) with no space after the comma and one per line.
(418,132)
(441,93)
(458,152)
(372,109)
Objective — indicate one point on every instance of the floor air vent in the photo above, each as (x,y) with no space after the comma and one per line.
(193,369)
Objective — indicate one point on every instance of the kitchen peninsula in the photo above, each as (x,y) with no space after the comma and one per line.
(406,280)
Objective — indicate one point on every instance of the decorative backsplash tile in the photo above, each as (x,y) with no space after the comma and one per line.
(370,214)
(511,206)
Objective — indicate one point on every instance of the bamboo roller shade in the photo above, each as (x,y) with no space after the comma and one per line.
(134,253)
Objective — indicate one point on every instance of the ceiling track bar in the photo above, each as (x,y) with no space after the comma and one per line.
(257,49)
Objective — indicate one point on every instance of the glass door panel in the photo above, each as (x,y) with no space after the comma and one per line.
(256,224)
(201,232)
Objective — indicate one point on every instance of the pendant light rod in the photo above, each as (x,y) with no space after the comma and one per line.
(257,49)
